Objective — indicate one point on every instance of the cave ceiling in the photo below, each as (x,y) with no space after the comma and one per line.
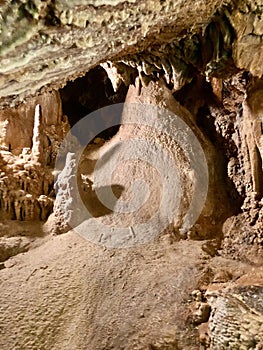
(45,44)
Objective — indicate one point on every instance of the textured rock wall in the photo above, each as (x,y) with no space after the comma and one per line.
(191,173)
(247,22)
(198,48)
(43,39)
(40,40)
(252,136)
(39,52)
(30,136)
(236,318)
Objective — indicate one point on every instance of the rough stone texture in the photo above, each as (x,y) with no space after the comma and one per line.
(236,320)
(214,209)
(41,40)
(13,246)
(59,295)
(247,21)
(243,237)
(71,294)
(252,135)
(27,160)
(236,125)
(66,203)
(159,95)
(18,237)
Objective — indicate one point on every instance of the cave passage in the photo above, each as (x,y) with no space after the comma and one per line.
(90,93)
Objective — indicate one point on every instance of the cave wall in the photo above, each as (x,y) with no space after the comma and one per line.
(152,39)
(30,137)
(209,56)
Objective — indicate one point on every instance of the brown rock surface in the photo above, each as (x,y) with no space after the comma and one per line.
(40,40)
(236,319)
(29,143)
(70,294)
(202,61)
(44,38)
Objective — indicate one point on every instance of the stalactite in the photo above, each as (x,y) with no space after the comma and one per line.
(26,175)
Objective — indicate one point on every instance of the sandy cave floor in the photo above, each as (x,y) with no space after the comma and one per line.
(71,294)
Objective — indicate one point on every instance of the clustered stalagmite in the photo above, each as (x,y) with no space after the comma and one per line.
(26,179)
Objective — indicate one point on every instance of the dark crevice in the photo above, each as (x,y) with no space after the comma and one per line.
(50,18)
(91,93)
(206,123)
(199,99)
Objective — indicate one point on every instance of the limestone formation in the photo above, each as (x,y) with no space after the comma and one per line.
(26,183)
(236,320)
(13,246)
(198,60)
(46,38)
(66,208)
(37,140)
(253,136)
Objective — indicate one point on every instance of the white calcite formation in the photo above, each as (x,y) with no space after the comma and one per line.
(38,142)
(66,205)
(29,138)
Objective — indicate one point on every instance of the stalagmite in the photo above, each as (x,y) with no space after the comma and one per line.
(198,112)
(37,140)
(26,178)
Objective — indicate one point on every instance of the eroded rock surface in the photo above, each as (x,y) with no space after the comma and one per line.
(44,38)
(236,320)
(71,294)
(29,141)
(200,59)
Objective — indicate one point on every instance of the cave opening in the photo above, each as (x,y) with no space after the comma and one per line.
(212,105)
(88,94)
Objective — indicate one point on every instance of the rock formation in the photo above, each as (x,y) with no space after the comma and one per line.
(236,318)
(191,287)
(28,151)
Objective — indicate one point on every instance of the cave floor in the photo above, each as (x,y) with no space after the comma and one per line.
(71,294)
